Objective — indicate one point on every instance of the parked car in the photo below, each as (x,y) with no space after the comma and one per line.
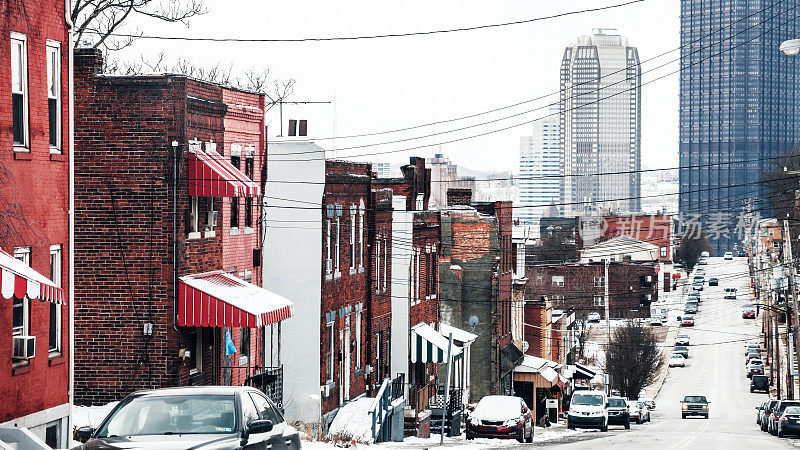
(759,382)
(687,321)
(748,313)
(751,356)
(752,348)
(789,422)
(681,350)
(697,286)
(681,339)
(694,405)
(501,416)
(649,402)
(766,413)
(588,409)
(618,412)
(759,409)
(728,256)
(777,411)
(755,368)
(730,293)
(704,255)
(222,417)
(751,342)
(693,297)
(677,360)
(690,308)
(713,281)
(593,317)
(639,411)
(702,262)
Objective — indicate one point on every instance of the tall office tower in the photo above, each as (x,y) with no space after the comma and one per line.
(382,169)
(738,107)
(539,169)
(600,124)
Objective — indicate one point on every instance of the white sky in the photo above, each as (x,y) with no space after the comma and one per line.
(392,83)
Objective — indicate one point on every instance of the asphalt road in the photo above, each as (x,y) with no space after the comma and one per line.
(715,368)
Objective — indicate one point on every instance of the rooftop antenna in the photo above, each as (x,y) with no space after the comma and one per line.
(602,30)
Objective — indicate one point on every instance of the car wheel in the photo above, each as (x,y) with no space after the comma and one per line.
(628,425)
(570,425)
(780,434)
(683,416)
(604,427)
(470,437)
(530,436)
(706,416)
(639,421)
(751,390)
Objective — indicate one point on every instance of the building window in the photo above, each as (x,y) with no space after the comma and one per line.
(328,260)
(54,94)
(248,212)
(385,265)
(599,281)
(54,337)
(361,232)
(329,354)
(236,161)
(663,252)
(377,265)
(52,434)
(211,217)
(234,212)
(358,339)
(194,215)
(20,307)
(248,167)
(196,350)
(558,281)
(244,337)
(599,300)
(337,233)
(558,300)
(352,239)
(19,90)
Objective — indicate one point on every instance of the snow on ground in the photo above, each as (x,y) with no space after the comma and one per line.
(353,421)
(91,415)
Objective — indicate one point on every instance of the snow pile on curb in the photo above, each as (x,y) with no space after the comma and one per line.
(91,415)
(353,421)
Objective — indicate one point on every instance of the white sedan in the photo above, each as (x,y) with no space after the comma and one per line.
(677,361)
(639,411)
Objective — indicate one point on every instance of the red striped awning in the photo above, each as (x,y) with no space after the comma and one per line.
(211,175)
(218,299)
(20,280)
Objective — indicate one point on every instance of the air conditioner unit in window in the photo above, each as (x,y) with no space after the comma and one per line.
(24,347)
(325,389)
(328,265)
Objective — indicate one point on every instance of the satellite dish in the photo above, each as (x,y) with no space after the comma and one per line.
(525,346)
(473,322)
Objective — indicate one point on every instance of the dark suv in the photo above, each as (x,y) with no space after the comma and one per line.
(759,383)
(618,412)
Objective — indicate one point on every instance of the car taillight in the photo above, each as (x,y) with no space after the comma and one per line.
(784,418)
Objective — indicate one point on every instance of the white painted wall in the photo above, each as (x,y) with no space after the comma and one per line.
(293,264)
(402,229)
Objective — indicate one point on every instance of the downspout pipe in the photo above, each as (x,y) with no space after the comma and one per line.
(71,213)
(175,160)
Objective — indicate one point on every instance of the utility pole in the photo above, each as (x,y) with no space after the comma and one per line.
(608,315)
(791,322)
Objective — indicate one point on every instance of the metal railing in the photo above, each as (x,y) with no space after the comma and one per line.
(269,380)
(379,411)
(398,386)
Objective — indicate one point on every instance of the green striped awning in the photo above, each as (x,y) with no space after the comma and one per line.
(428,345)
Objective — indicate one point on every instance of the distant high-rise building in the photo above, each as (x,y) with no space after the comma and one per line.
(444,175)
(382,169)
(600,124)
(738,107)
(539,169)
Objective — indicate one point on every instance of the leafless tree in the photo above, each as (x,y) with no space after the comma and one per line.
(99,22)
(633,358)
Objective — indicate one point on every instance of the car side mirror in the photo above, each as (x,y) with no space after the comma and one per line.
(259,426)
(607,405)
(83,434)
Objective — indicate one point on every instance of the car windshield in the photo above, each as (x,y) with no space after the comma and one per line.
(173,414)
(587,399)
(616,403)
(694,399)
(677,356)
(784,404)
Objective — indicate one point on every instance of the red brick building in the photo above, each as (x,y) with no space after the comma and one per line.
(167,214)
(654,229)
(34,221)
(581,288)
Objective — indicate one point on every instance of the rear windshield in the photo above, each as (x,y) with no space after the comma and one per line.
(694,399)
(786,404)
(792,410)
(616,403)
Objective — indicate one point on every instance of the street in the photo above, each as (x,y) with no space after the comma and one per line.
(715,368)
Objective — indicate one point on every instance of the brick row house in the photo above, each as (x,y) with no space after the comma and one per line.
(34,220)
(167,236)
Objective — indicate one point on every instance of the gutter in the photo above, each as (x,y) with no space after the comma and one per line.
(71,215)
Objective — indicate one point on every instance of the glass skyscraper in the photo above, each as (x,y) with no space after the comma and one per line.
(539,169)
(600,125)
(738,107)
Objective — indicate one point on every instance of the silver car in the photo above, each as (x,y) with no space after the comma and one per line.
(639,411)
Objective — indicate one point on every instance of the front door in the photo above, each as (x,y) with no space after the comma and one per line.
(344,374)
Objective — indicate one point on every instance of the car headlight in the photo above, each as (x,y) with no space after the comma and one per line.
(705,407)
(684,407)
(474,421)
(595,413)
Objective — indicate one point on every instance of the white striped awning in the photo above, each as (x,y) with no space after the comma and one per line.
(19,280)
(428,345)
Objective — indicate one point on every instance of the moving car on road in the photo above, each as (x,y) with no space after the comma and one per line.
(690,308)
(682,339)
(588,409)
(694,405)
(501,416)
(687,321)
(618,412)
(713,281)
(676,360)
(639,411)
(759,382)
(748,313)
(697,286)
(730,293)
(681,350)
(789,422)
(218,417)
(728,256)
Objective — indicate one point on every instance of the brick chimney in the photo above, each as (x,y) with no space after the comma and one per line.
(459,196)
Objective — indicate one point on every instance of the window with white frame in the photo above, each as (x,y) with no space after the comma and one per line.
(19,91)
(377,265)
(330,353)
(211,214)
(328,260)
(599,281)
(352,239)
(358,339)
(194,215)
(558,300)
(361,233)
(54,94)
(336,250)
(54,336)
(20,323)
(412,291)
(196,351)
(558,281)
(663,252)
(599,300)
(385,264)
